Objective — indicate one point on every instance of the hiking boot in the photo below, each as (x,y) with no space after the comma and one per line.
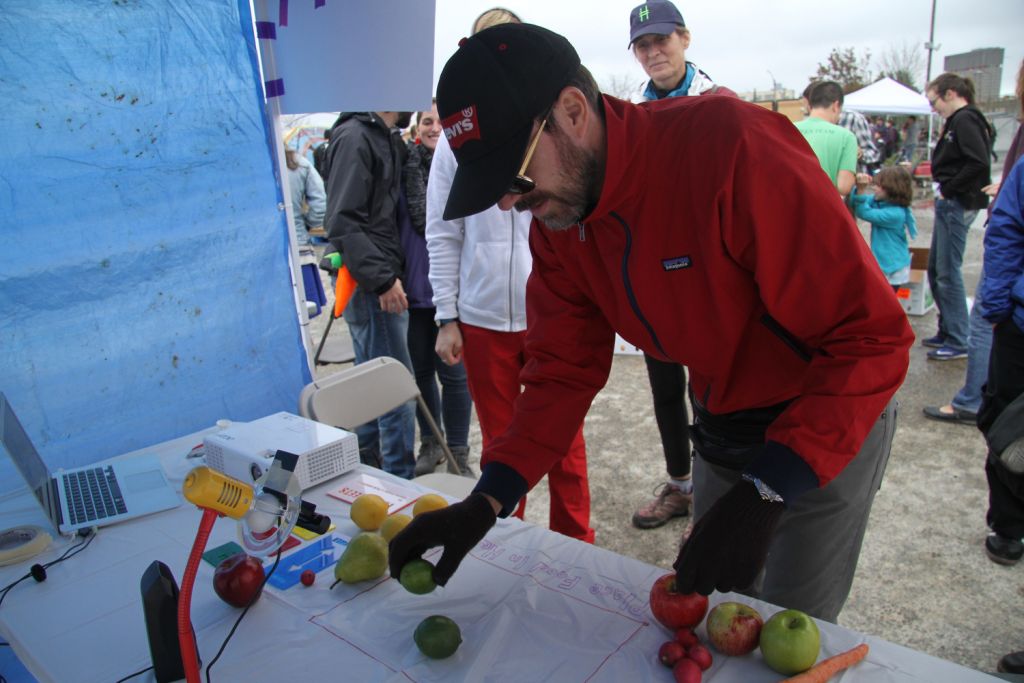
(430,456)
(461,454)
(936,342)
(1003,550)
(1012,663)
(669,502)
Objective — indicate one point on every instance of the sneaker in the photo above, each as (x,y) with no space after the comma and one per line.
(946,353)
(669,502)
(1003,550)
(1012,663)
(936,342)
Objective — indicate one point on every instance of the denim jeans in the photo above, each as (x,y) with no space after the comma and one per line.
(949,238)
(375,333)
(451,407)
(979,345)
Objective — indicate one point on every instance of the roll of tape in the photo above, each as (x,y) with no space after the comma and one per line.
(21,543)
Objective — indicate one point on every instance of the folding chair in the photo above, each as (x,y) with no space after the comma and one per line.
(366,391)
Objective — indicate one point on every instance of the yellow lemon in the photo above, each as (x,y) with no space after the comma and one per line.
(428,503)
(393,524)
(368,511)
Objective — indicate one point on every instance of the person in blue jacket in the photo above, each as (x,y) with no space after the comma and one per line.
(887,209)
(1003,306)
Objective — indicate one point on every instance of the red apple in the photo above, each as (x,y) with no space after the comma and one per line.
(238,580)
(686,671)
(675,609)
(701,655)
(687,637)
(734,628)
(671,652)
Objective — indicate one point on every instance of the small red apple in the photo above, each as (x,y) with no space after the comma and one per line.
(686,671)
(671,652)
(238,580)
(701,655)
(734,628)
(687,637)
(307,577)
(674,609)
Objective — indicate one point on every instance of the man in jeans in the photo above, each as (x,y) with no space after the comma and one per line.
(961,166)
(366,158)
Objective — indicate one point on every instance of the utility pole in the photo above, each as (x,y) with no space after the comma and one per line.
(931,47)
(775,86)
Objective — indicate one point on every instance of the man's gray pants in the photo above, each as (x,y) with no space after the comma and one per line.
(813,555)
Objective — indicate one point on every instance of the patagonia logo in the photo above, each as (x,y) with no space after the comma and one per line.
(461,127)
(676,263)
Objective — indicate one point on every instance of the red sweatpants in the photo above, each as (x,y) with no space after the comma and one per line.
(493,362)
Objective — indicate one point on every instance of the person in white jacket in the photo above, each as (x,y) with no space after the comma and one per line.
(478,271)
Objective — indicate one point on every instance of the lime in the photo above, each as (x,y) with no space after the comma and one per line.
(418,577)
(437,637)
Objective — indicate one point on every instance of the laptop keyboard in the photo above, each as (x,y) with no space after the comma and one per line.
(93,494)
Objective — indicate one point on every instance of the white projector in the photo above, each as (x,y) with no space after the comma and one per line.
(245,450)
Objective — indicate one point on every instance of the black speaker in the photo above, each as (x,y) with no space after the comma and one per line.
(160,605)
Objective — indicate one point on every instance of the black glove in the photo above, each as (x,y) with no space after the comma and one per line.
(729,544)
(458,528)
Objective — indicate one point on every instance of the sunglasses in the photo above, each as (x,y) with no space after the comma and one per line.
(523,183)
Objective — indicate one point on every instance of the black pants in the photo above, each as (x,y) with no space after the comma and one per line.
(1005,383)
(668,388)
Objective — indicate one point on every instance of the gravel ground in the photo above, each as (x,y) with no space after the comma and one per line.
(923,580)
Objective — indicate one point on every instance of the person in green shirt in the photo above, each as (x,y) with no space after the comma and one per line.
(835,147)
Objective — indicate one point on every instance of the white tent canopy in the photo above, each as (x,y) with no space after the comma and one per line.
(886,96)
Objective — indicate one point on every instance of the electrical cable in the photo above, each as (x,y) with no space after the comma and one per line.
(38,571)
(131,676)
(238,621)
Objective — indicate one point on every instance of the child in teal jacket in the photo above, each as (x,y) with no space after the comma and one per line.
(887,208)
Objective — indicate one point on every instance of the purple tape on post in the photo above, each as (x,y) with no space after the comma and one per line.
(266,30)
(317,4)
(282,11)
(275,88)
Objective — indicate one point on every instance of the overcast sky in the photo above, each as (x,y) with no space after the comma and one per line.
(739,41)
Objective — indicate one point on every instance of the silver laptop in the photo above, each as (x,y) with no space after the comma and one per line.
(96,495)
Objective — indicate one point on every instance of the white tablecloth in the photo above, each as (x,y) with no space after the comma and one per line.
(532,606)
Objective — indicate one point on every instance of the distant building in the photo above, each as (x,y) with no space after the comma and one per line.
(768,95)
(983,66)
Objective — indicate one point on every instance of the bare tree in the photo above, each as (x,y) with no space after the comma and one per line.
(846,69)
(903,63)
(623,86)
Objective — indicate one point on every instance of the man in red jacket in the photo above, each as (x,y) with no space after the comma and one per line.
(703,231)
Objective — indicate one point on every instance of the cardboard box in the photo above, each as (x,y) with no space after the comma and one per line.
(916,295)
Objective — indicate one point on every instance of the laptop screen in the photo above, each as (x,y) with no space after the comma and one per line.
(27,459)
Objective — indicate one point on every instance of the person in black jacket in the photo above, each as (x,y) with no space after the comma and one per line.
(366,158)
(961,166)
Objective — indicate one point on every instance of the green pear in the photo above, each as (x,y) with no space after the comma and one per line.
(365,558)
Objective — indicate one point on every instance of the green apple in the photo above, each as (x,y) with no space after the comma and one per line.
(790,642)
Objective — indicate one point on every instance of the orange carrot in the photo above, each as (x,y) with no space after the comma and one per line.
(827,668)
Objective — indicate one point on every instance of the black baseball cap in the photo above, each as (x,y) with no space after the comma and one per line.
(490,92)
(659,17)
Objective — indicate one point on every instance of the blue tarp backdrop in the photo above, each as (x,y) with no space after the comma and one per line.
(144,278)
